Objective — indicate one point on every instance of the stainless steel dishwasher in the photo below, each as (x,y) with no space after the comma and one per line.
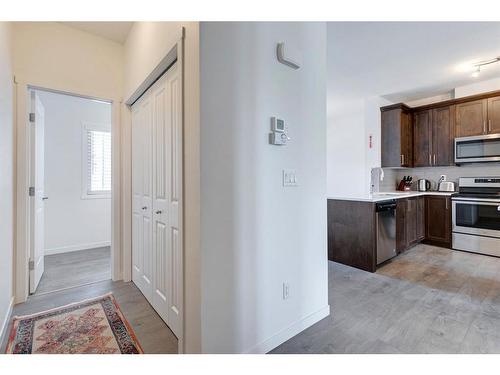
(386,230)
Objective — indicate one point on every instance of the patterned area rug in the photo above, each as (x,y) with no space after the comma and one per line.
(95,326)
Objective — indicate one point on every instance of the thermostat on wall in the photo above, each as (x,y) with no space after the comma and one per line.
(277,125)
(278,134)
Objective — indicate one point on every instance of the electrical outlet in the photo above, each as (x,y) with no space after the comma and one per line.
(286,290)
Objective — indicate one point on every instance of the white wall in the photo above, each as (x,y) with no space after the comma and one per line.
(146,45)
(255,233)
(71,223)
(6,174)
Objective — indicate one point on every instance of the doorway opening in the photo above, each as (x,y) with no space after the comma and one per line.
(71,191)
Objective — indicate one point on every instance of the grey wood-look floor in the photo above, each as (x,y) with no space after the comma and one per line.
(75,268)
(427,300)
(152,333)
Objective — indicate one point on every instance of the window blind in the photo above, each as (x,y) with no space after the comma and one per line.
(98,161)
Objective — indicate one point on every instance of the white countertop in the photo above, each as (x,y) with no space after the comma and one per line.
(387,195)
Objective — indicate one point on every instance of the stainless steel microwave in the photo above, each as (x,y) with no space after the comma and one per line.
(478,149)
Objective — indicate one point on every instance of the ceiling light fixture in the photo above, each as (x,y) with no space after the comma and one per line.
(476,72)
(483,63)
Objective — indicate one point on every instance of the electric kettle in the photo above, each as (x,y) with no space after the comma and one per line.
(424,185)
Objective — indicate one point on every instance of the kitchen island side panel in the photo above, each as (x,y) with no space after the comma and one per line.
(351,233)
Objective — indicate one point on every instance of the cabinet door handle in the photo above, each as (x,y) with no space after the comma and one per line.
(489,125)
(434,159)
(402,159)
(144,207)
(430,159)
(158,212)
(484,126)
(446,199)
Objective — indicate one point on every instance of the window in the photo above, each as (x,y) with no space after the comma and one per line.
(96,171)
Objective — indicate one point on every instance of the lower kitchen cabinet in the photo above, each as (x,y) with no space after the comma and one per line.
(410,222)
(438,220)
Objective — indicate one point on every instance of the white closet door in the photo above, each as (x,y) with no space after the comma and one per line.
(166,199)
(157,195)
(137,232)
(174,201)
(142,176)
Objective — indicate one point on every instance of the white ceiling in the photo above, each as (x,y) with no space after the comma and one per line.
(407,61)
(116,31)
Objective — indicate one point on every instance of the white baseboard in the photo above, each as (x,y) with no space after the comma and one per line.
(292,330)
(5,323)
(67,249)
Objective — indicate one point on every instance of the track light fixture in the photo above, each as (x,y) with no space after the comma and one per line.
(483,63)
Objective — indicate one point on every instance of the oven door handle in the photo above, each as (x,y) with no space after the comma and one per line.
(479,203)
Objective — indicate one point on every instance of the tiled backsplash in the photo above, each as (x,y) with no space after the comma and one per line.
(393,176)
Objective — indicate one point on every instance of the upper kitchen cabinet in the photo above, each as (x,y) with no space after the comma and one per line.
(433,136)
(443,133)
(471,118)
(494,115)
(422,143)
(397,136)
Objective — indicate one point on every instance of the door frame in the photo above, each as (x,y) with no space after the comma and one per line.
(22,178)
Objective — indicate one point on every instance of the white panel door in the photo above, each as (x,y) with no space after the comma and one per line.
(175,257)
(147,200)
(37,215)
(137,232)
(157,185)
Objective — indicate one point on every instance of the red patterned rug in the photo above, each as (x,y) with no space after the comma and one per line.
(95,326)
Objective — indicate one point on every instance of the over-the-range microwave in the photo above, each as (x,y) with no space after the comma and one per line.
(477,149)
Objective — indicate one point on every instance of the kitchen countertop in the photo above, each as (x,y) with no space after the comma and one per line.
(387,195)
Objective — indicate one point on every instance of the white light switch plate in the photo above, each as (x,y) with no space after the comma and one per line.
(289,177)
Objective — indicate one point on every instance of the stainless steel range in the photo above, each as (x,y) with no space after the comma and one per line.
(476,215)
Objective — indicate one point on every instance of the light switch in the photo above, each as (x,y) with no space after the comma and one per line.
(289,177)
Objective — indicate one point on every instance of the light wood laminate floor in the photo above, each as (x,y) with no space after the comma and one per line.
(152,333)
(75,268)
(427,300)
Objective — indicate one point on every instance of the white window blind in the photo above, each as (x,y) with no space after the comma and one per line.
(98,165)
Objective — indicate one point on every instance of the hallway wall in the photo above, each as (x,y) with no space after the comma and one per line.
(6,174)
(71,222)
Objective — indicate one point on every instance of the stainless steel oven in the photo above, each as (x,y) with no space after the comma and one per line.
(476,215)
(477,149)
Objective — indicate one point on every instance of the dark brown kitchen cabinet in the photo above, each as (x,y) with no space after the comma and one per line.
(443,126)
(422,132)
(401,233)
(396,136)
(438,220)
(420,218)
(494,115)
(410,222)
(433,136)
(471,118)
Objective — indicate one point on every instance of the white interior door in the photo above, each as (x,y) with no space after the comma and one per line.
(37,199)
(158,117)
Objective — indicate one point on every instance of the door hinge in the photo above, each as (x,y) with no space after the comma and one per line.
(31,265)
(31,191)
(32,117)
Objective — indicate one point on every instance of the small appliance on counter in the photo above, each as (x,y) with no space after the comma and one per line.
(447,186)
(424,185)
(405,183)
